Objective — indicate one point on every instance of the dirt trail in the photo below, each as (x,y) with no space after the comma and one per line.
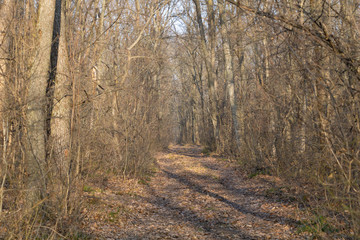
(191,196)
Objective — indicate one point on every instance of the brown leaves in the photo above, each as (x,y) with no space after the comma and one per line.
(190,197)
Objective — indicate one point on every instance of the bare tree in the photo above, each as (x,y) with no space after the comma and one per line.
(61,111)
(7,9)
(229,73)
(208,51)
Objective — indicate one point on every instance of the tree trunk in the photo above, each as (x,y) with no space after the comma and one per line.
(101,44)
(6,9)
(61,113)
(322,75)
(98,69)
(229,73)
(210,70)
(37,103)
(302,145)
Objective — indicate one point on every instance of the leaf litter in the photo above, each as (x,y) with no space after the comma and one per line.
(191,196)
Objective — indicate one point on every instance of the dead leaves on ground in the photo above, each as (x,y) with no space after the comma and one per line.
(191,196)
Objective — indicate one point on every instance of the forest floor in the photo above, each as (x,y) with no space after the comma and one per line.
(192,196)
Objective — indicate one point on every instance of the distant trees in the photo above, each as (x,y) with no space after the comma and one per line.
(295,66)
(207,44)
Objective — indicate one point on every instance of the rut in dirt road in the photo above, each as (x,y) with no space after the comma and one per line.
(200,197)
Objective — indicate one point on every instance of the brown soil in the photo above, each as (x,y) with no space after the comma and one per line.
(192,196)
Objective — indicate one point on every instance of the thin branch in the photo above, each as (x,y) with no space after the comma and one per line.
(321,37)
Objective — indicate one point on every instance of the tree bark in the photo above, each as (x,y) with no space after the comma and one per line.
(61,113)
(302,145)
(229,72)
(322,75)
(6,9)
(37,103)
(98,69)
(210,71)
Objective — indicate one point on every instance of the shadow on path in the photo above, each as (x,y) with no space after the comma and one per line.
(242,209)
(193,152)
(183,214)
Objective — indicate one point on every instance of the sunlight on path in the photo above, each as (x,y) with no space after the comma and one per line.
(191,196)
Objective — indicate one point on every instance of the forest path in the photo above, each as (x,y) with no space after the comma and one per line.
(192,196)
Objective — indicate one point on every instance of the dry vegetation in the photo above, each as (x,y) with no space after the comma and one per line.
(90,90)
(192,196)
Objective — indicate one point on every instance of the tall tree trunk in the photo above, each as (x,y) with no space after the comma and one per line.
(229,73)
(209,64)
(101,44)
(272,109)
(37,103)
(61,113)
(99,68)
(322,75)
(6,9)
(302,145)
(240,54)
